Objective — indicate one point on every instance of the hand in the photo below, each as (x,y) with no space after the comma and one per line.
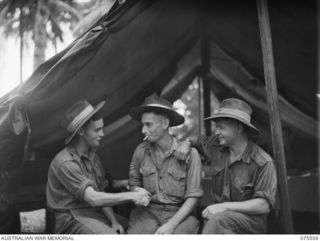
(141,189)
(182,152)
(209,211)
(117,227)
(166,228)
(141,196)
(143,202)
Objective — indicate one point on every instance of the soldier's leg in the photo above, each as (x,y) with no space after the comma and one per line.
(189,226)
(230,222)
(142,222)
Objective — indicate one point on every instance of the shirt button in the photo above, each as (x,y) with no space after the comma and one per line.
(160,177)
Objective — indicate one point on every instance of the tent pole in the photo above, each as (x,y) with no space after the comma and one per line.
(272,97)
(199,104)
(205,67)
(318,95)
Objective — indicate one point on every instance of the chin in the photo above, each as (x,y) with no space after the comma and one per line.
(97,144)
(222,142)
(150,140)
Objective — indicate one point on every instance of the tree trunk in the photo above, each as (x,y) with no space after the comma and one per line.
(40,34)
(21,45)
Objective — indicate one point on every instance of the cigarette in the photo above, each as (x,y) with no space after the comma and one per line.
(145,138)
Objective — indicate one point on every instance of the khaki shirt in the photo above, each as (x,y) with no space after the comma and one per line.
(69,175)
(170,181)
(252,176)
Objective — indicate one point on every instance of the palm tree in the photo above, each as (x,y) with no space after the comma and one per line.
(9,22)
(41,18)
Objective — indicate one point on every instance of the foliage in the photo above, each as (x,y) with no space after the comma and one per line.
(14,12)
(43,19)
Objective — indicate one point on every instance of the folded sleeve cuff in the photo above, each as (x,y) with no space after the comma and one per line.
(84,185)
(194,193)
(262,194)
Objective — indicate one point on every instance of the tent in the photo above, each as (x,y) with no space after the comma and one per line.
(141,47)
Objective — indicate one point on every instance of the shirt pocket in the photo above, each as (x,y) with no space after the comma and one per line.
(175,183)
(149,178)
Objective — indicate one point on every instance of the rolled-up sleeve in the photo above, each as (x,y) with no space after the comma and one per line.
(194,186)
(134,174)
(266,186)
(73,180)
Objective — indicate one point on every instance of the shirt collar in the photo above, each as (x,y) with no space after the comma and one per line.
(246,155)
(174,145)
(77,156)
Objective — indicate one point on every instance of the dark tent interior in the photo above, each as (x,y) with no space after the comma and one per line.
(145,47)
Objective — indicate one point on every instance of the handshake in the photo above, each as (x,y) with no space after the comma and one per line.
(141,196)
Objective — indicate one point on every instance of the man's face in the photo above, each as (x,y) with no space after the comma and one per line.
(93,133)
(153,126)
(226,131)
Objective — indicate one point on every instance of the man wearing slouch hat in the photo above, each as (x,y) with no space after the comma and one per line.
(76,179)
(244,180)
(174,185)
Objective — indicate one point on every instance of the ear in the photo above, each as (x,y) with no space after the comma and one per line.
(240,127)
(165,123)
(81,131)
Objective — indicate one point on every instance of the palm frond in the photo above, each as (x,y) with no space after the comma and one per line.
(64,7)
(55,28)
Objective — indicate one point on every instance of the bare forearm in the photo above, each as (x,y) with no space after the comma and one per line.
(185,210)
(100,199)
(253,206)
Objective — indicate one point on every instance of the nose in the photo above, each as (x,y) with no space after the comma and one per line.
(217,131)
(144,130)
(101,133)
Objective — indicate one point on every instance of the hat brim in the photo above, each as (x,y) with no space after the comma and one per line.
(214,117)
(70,135)
(175,118)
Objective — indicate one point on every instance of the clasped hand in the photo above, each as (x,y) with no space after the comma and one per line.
(143,197)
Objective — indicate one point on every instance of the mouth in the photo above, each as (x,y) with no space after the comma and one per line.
(220,138)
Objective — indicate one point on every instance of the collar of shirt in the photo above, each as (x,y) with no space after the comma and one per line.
(174,144)
(77,156)
(246,155)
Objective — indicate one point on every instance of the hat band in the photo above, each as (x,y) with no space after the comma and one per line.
(76,121)
(157,105)
(238,113)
